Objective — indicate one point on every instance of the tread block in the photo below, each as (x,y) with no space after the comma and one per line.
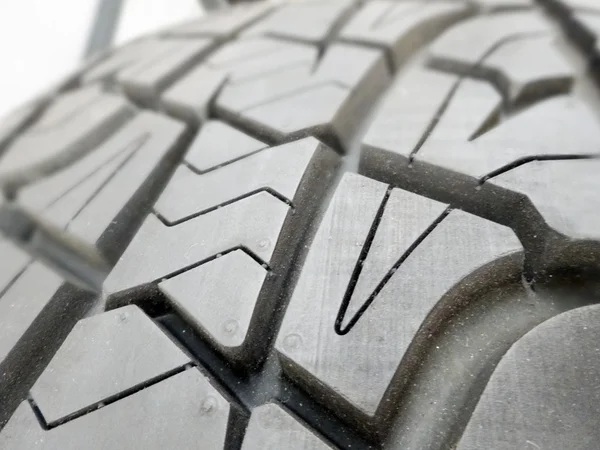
(271,427)
(103,191)
(308,21)
(190,97)
(157,250)
(63,135)
(218,144)
(178,412)
(401,27)
(219,297)
(224,23)
(564,192)
(467,43)
(355,372)
(474,107)
(279,169)
(144,81)
(324,102)
(247,58)
(525,69)
(103,356)
(574,131)
(272,86)
(543,390)
(408,110)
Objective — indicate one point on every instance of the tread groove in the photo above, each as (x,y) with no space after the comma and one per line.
(351,286)
(462,76)
(260,387)
(226,163)
(246,250)
(268,190)
(359,264)
(121,395)
(263,376)
(521,161)
(138,144)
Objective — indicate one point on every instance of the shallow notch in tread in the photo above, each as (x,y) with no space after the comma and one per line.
(178,412)
(94,363)
(37,311)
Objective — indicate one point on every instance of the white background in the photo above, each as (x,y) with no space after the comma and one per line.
(41,41)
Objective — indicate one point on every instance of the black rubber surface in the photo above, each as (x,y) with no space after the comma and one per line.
(311,225)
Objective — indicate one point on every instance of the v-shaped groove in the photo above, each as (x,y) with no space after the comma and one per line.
(338,327)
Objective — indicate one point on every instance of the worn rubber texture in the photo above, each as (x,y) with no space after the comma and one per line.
(311,225)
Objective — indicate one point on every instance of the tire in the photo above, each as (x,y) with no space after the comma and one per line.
(311,225)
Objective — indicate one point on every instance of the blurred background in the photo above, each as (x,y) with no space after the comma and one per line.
(41,41)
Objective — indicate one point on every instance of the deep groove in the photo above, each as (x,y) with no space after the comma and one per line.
(120,396)
(268,190)
(322,421)
(238,389)
(251,390)
(490,318)
(237,423)
(527,159)
(37,413)
(352,285)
